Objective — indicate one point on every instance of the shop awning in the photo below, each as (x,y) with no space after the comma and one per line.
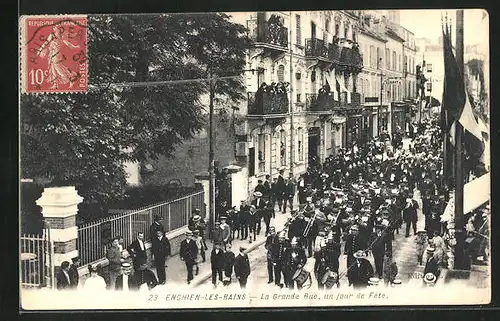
(476,193)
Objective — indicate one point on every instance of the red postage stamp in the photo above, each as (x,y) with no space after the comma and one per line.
(54,54)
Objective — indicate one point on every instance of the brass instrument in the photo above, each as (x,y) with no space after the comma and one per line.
(309,225)
(291,219)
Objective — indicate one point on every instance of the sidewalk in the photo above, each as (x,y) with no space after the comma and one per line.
(176,269)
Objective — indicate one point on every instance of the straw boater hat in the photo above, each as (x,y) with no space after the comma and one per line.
(374,281)
(431,250)
(429,278)
(189,233)
(421,231)
(257,194)
(196,217)
(396,283)
(360,254)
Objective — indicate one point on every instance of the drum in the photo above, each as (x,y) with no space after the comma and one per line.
(301,276)
(329,279)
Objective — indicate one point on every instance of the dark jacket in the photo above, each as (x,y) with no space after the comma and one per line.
(62,281)
(139,256)
(359,276)
(114,255)
(353,243)
(146,276)
(217,260)
(228,261)
(155,227)
(73,276)
(293,262)
(241,266)
(188,251)
(410,213)
(432,266)
(133,283)
(160,249)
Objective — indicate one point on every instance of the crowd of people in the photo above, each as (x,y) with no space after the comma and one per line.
(350,208)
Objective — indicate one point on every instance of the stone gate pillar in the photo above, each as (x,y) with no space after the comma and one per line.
(59,209)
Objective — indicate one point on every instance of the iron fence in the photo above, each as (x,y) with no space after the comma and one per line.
(91,243)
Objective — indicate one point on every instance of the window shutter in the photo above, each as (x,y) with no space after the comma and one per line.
(281,73)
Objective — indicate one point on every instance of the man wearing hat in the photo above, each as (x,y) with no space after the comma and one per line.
(432,263)
(360,271)
(295,258)
(271,239)
(217,263)
(430,279)
(288,195)
(379,240)
(354,242)
(160,248)
(226,230)
(188,253)
(297,226)
(127,280)
(260,207)
(390,269)
(421,241)
(278,258)
(196,222)
(332,253)
(280,190)
(242,267)
(410,215)
(156,226)
(244,216)
(320,267)
(115,259)
(73,273)
(218,235)
(144,276)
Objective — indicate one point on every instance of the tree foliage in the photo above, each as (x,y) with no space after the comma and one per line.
(84,139)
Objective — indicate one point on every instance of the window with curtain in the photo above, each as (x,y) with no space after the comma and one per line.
(283,147)
(281,73)
(298,33)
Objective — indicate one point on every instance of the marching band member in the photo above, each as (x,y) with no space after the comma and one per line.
(332,255)
(353,244)
(278,257)
(360,271)
(295,258)
(320,267)
(260,206)
(270,240)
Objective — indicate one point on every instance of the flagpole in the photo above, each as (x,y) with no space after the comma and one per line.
(459,255)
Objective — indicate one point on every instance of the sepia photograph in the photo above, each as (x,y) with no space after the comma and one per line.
(254,159)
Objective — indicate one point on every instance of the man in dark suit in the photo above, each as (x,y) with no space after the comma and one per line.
(260,206)
(360,271)
(242,267)
(354,242)
(278,258)
(431,264)
(156,226)
(280,189)
(270,240)
(295,258)
(145,276)
(73,273)
(188,253)
(62,278)
(410,215)
(288,195)
(127,281)
(379,241)
(161,250)
(267,186)
(244,219)
(217,263)
(137,250)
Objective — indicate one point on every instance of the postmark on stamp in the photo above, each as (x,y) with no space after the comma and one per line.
(54,54)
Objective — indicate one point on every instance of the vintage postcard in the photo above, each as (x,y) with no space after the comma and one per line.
(254,159)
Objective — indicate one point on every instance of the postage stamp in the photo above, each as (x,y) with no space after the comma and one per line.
(54,54)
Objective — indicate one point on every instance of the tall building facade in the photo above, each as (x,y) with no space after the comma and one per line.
(303,100)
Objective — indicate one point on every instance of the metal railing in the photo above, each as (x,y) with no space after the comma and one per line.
(265,103)
(351,57)
(355,99)
(321,102)
(36,269)
(174,215)
(271,32)
(316,48)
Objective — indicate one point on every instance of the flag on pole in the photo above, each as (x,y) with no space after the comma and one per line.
(456,106)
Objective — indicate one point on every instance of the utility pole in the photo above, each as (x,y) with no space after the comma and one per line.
(292,140)
(211,161)
(459,255)
(379,121)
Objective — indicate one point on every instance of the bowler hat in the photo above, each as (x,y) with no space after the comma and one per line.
(429,278)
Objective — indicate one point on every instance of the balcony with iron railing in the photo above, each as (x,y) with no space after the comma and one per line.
(351,58)
(267,103)
(268,32)
(316,48)
(321,102)
(334,52)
